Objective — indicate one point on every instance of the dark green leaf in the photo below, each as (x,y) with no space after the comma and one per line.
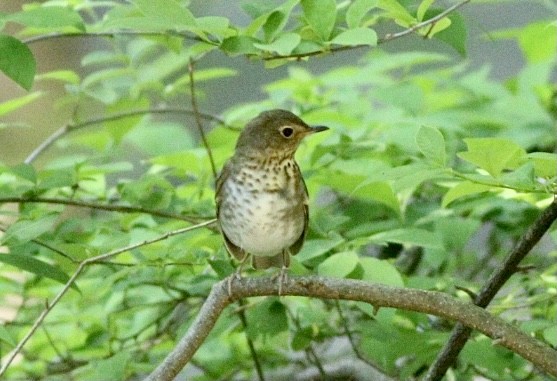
(35,266)
(455,35)
(267,319)
(17,61)
(237,45)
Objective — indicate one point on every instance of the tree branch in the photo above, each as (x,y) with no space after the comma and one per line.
(75,275)
(198,120)
(97,206)
(115,33)
(429,302)
(461,333)
(386,38)
(72,127)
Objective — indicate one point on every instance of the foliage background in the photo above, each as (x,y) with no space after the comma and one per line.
(432,170)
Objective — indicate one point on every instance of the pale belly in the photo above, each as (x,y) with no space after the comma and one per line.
(262,224)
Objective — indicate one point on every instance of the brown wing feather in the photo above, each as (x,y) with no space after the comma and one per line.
(236,251)
(297,246)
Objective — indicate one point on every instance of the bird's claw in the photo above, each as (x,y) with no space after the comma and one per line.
(235,276)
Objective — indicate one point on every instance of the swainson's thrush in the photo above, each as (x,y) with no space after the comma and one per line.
(261,197)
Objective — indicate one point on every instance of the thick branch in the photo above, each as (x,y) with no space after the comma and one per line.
(460,333)
(429,302)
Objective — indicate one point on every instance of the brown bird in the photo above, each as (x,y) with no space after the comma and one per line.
(261,197)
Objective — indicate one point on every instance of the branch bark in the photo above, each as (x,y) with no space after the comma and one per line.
(460,334)
(429,302)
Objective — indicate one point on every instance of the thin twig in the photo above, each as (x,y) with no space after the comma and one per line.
(460,334)
(255,357)
(46,245)
(115,33)
(433,20)
(72,127)
(353,343)
(107,207)
(78,271)
(311,355)
(386,38)
(198,119)
(429,302)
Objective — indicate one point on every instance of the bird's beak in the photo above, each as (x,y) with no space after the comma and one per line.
(315,129)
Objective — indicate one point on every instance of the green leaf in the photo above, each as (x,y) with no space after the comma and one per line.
(315,248)
(431,143)
(274,24)
(339,265)
(359,186)
(25,230)
(456,35)
(464,188)
(437,27)
(397,11)
(380,271)
(357,10)
(35,266)
(169,12)
(237,45)
(282,45)
(550,335)
(544,164)
(16,103)
(422,9)
(49,17)
(215,25)
(67,76)
(409,236)
(6,337)
(538,41)
(356,36)
(112,368)
(493,154)
(17,61)
(320,16)
(25,171)
(267,319)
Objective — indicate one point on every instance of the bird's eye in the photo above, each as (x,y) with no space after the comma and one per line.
(287,132)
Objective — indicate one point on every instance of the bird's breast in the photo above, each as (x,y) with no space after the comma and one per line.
(262,209)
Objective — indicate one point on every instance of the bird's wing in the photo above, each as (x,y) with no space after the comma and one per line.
(236,251)
(297,246)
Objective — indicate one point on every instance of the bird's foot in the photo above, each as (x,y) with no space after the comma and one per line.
(237,275)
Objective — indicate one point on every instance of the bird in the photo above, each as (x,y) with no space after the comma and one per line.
(261,197)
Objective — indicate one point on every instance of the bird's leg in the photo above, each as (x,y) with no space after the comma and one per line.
(283,274)
(237,274)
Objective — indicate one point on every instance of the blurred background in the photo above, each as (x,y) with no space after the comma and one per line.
(24,129)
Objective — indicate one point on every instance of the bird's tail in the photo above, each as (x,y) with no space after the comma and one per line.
(263,262)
